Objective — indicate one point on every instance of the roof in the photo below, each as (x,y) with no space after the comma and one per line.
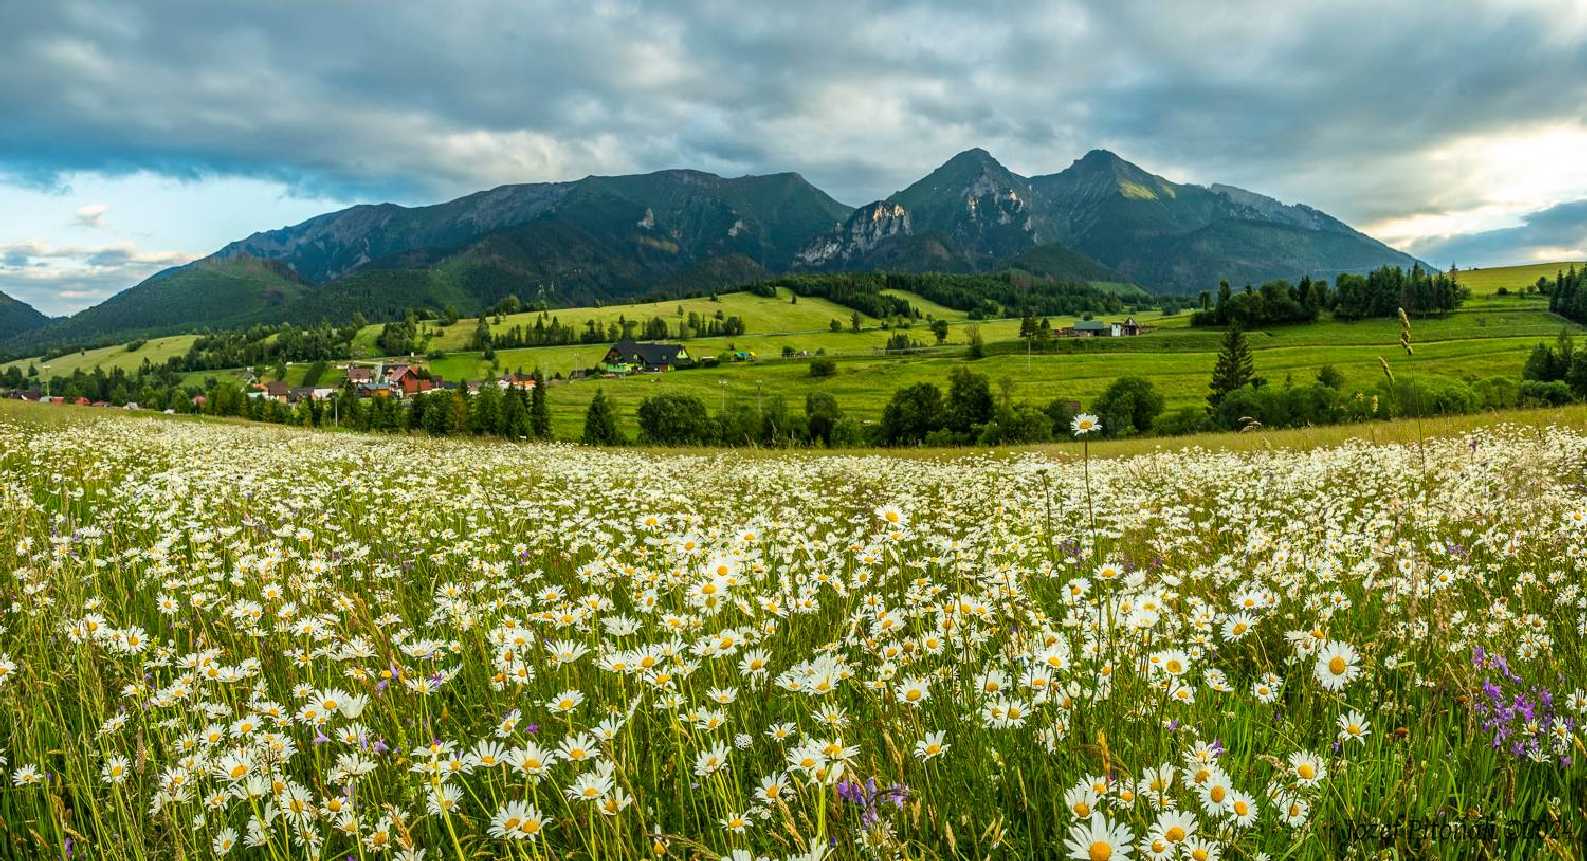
(649,353)
(1092,325)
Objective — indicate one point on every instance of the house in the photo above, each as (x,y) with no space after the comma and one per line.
(311,393)
(357,375)
(626,357)
(411,384)
(1103,329)
(81,401)
(1132,328)
(1092,329)
(277,390)
(199,401)
(522,382)
(395,374)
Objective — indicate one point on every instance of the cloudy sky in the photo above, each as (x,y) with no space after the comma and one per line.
(135,134)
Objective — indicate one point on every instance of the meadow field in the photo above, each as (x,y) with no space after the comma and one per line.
(230,640)
(1490,335)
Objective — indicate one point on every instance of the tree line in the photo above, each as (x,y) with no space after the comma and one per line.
(981,295)
(1567,295)
(492,411)
(1380,293)
(550,331)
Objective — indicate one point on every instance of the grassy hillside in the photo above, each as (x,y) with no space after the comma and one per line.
(1490,335)
(17,317)
(1486,282)
(156,350)
(1178,361)
(221,293)
(761,316)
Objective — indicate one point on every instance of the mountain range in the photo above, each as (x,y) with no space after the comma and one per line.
(612,238)
(17,317)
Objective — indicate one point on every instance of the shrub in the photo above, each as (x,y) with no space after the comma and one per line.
(1431,396)
(1060,412)
(1536,393)
(1497,393)
(674,419)
(822,415)
(1128,406)
(1015,426)
(1182,421)
(912,413)
(822,366)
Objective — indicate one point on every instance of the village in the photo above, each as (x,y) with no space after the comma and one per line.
(405,378)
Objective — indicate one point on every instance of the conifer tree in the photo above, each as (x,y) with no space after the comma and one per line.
(600,422)
(514,416)
(539,413)
(1234,368)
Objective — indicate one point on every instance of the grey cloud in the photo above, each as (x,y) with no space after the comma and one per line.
(60,279)
(108,257)
(62,293)
(1545,233)
(1331,104)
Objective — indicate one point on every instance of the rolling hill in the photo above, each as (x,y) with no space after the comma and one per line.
(616,238)
(17,317)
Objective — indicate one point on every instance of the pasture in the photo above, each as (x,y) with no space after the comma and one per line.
(231,640)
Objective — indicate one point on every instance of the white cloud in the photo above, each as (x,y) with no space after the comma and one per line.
(92,215)
(58,279)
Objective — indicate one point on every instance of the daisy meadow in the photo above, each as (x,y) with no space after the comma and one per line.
(267,643)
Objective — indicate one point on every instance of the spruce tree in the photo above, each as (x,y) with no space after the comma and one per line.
(600,422)
(484,413)
(539,413)
(1234,368)
(514,421)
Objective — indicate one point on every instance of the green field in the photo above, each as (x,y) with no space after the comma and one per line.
(1487,281)
(1490,335)
(760,315)
(156,350)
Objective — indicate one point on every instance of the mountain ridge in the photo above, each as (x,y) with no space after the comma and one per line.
(17,317)
(614,238)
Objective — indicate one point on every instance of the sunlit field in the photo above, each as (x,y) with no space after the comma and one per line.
(223,640)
